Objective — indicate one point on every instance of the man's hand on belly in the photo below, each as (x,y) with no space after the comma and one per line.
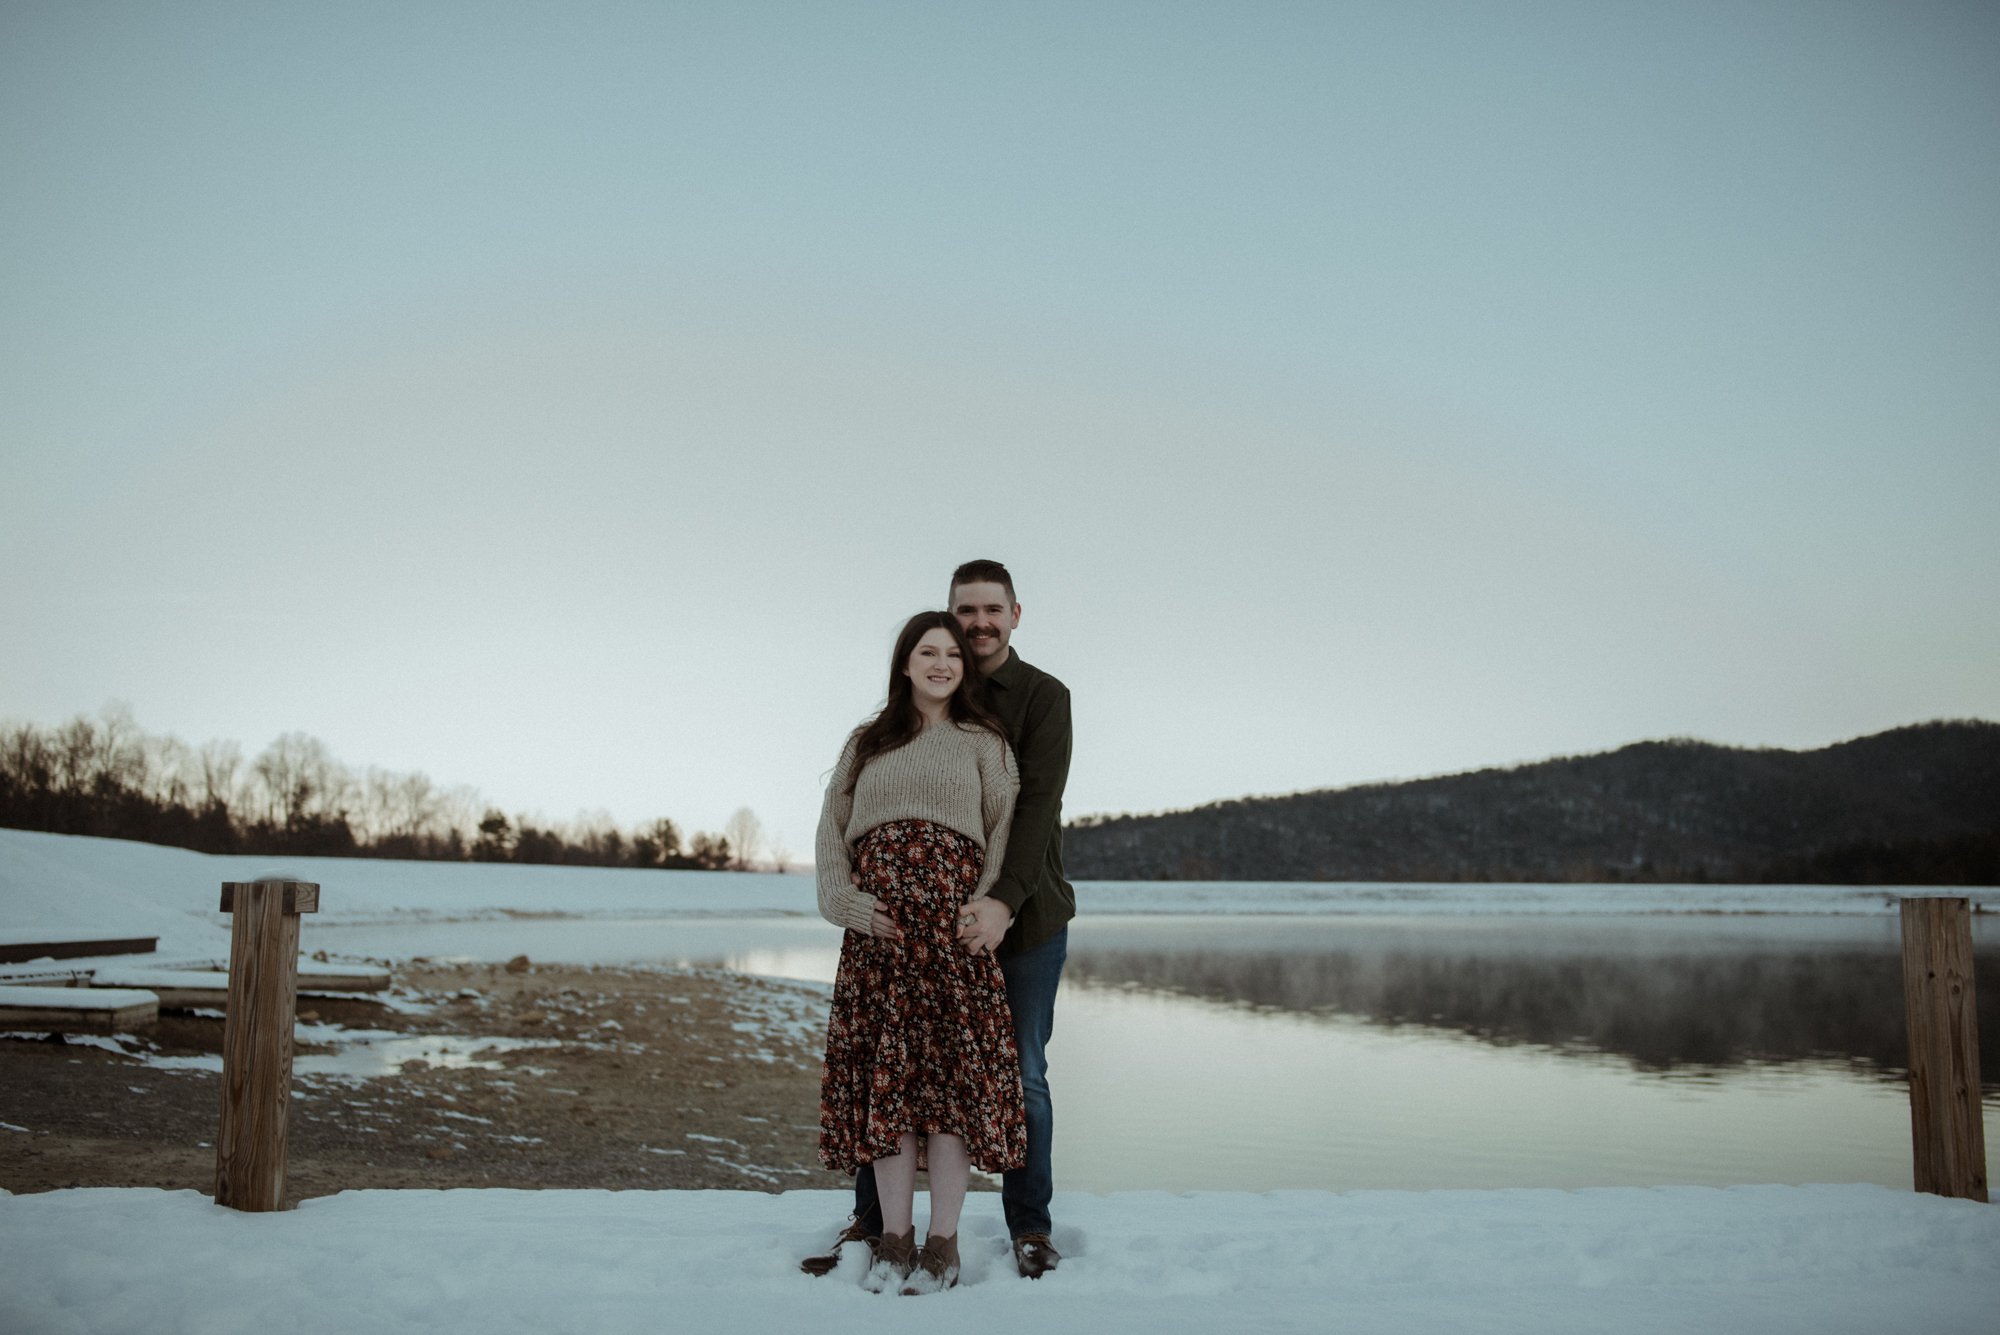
(982,924)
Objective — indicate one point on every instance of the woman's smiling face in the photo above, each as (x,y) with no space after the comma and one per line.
(935,668)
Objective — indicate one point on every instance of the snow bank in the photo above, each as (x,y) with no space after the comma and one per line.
(1767,1259)
(108,887)
(67,884)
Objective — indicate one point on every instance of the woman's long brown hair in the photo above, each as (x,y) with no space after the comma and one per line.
(900,719)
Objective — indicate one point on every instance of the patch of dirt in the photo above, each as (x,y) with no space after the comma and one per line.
(635,1078)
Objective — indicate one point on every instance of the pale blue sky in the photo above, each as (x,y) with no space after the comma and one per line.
(571,400)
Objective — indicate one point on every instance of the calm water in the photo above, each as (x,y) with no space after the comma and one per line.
(1254,1053)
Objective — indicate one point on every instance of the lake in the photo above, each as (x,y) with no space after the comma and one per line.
(1214,1051)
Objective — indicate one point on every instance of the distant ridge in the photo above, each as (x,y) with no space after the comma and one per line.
(1917,805)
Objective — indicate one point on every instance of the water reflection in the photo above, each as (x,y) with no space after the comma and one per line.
(1252,1053)
(1684,997)
(1679,998)
(1170,1091)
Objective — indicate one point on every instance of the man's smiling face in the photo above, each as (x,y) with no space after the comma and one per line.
(988,619)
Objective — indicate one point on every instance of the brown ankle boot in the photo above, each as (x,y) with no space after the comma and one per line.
(828,1261)
(937,1267)
(895,1257)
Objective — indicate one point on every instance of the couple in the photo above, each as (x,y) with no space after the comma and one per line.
(940,851)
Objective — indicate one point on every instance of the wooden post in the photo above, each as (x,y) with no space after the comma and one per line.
(1946,1126)
(257,1038)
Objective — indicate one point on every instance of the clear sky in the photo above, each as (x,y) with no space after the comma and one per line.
(571,400)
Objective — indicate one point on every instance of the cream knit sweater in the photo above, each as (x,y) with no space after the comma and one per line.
(961,777)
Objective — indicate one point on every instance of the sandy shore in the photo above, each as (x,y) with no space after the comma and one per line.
(626,1078)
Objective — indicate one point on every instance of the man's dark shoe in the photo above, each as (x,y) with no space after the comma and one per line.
(1035,1255)
(828,1261)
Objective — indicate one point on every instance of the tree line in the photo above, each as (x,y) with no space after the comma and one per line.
(107,777)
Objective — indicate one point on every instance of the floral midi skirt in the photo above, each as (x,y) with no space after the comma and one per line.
(920,1038)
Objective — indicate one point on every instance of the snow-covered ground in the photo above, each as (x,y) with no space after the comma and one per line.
(64,884)
(1756,1258)
(1812,1260)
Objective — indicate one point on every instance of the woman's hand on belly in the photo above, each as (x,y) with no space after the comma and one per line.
(879,923)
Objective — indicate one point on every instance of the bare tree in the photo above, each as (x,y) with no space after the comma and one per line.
(122,757)
(458,812)
(416,806)
(375,803)
(302,781)
(73,753)
(217,763)
(27,757)
(745,834)
(283,771)
(108,753)
(172,771)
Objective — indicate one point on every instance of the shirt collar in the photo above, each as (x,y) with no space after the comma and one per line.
(1008,673)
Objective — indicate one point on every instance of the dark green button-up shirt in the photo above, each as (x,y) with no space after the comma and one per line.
(1034,708)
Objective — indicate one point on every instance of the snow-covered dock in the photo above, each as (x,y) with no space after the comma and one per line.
(181,989)
(77,1010)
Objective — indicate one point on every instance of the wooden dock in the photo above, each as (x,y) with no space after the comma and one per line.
(77,1010)
(20,947)
(341,978)
(177,989)
(43,975)
(187,989)
(27,961)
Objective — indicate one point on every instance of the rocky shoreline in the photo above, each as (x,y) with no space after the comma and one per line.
(535,1076)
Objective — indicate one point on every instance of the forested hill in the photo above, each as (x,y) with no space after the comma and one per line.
(1918,806)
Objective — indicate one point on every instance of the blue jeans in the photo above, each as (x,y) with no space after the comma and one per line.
(1032,978)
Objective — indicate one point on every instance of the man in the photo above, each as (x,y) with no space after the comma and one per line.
(1024,919)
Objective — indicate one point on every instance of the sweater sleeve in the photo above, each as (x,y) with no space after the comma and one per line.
(999,785)
(839,902)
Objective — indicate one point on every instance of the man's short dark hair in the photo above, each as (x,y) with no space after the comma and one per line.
(983,572)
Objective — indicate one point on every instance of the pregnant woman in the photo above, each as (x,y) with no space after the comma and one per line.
(921,1068)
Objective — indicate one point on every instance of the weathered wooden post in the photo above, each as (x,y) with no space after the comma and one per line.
(1946,1128)
(257,1038)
